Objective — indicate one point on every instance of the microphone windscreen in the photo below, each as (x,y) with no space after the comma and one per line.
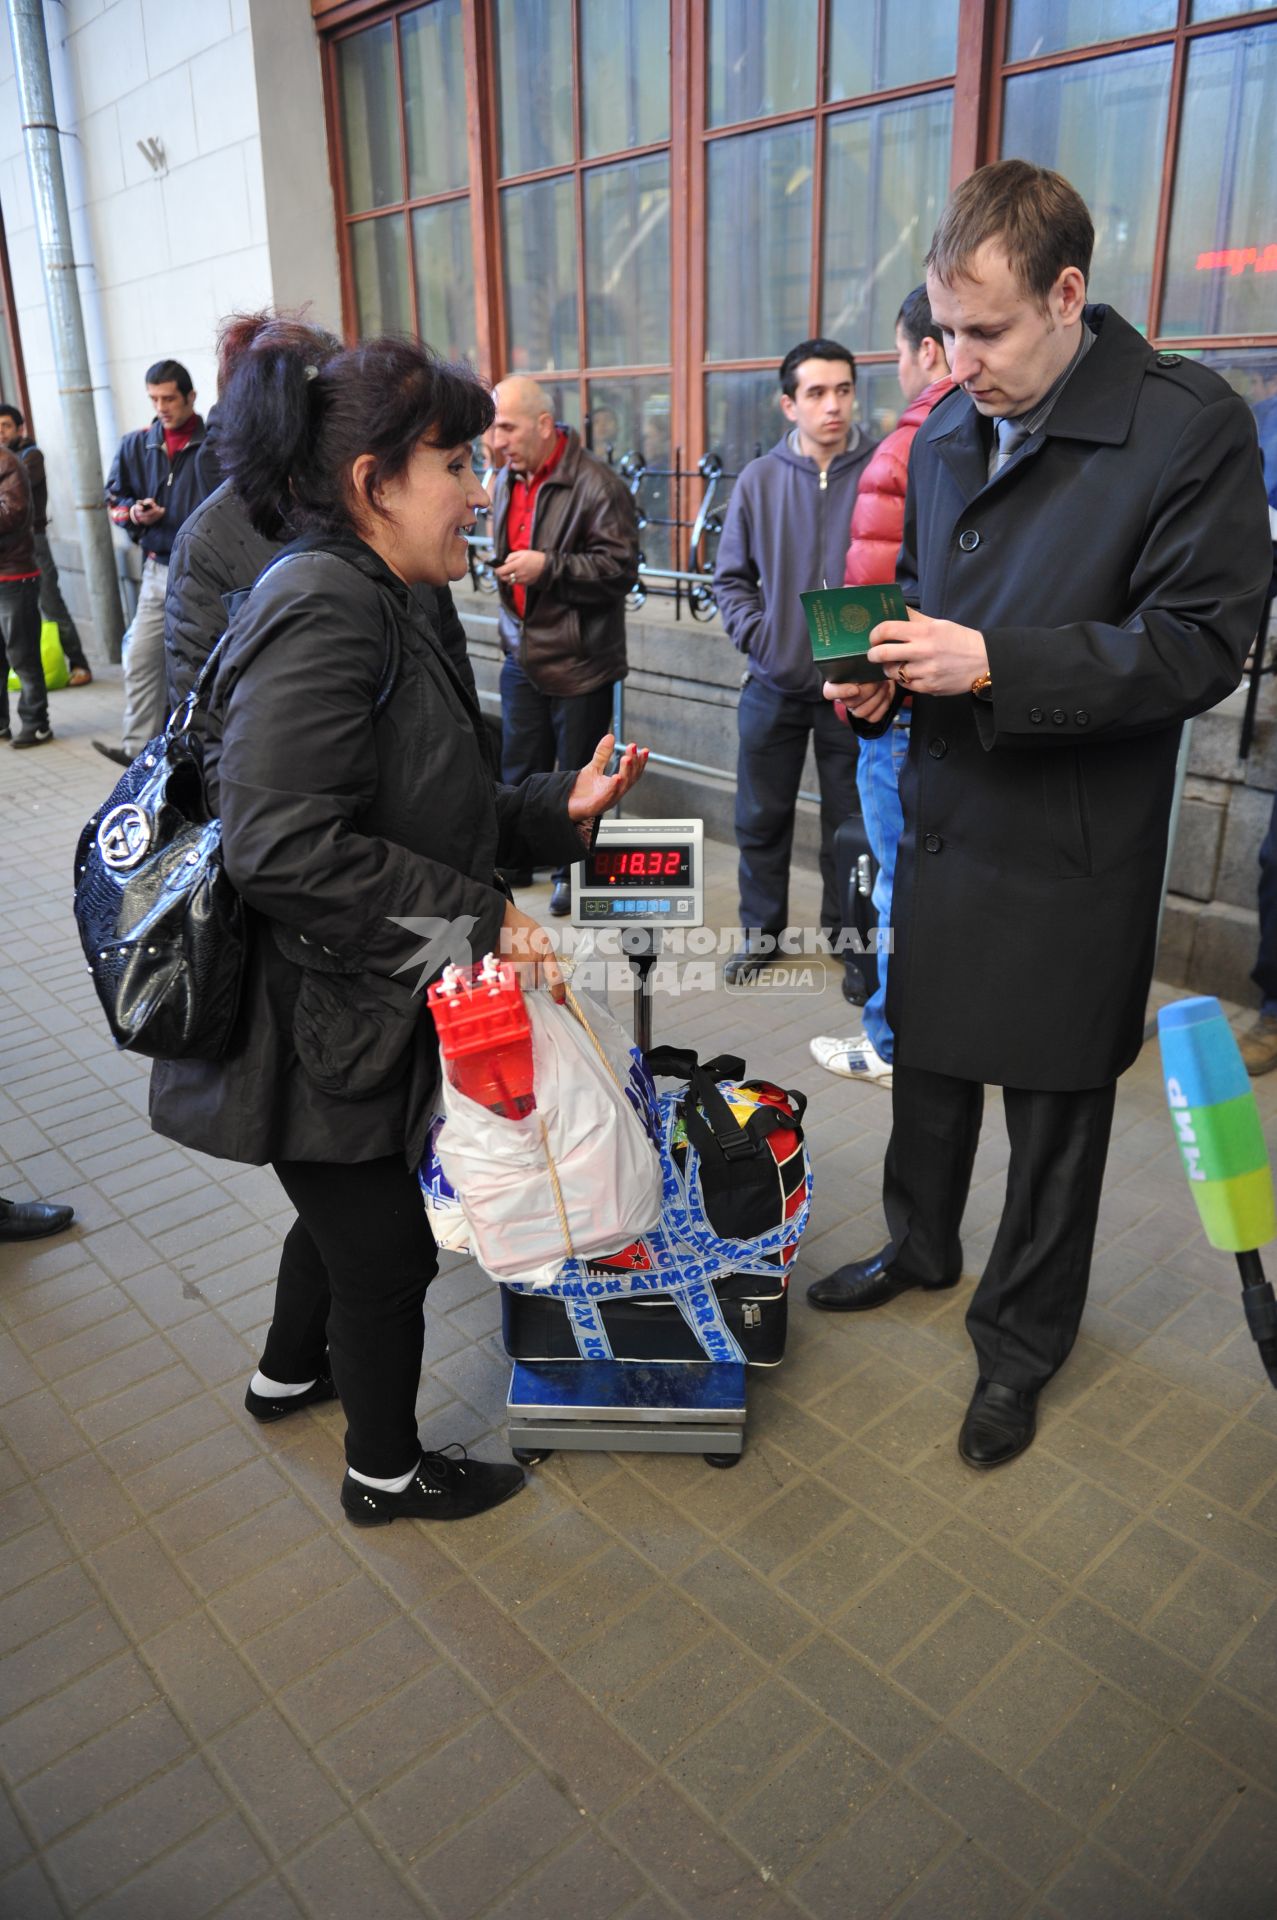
(1217,1125)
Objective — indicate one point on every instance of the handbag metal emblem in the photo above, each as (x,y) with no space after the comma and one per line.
(124,838)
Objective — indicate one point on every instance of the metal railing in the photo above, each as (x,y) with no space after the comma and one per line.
(695,496)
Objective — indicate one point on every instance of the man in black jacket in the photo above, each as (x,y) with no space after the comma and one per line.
(565,530)
(1086,538)
(52,605)
(155,483)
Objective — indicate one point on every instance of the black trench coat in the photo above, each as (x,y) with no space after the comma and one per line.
(1117,570)
(336,824)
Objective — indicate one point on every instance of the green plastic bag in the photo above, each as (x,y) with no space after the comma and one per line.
(56,670)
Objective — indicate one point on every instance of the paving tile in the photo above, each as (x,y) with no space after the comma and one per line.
(26,1892)
(43,1603)
(1094,1756)
(694,1690)
(450,1786)
(1200,1519)
(1008,1503)
(642,1644)
(477,1866)
(1133,1576)
(1074,1532)
(1211,1606)
(1251,1670)
(201,1675)
(276,1780)
(1229,1727)
(103,1769)
(866,1705)
(118,1843)
(1123,1473)
(722,1766)
(1168,1809)
(767,1623)
(1126,1658)
(688,1861)
(1239,1466)
(194,1880)
(42,1734)
(965,1885)
(576,1743)
(649,1524)
(1010,1823)
(159,1436)
(831,1572)
(958,1654)
(346,1873)
(885,1618)
(587,1598)
(355,1677)
(876,1859)
(485,1645)
(30,1554)
(895,1499)
(521,1573)
(385,1740)
(1016,1714)
(44,1665)
(1001,1574)
(1237,1873)
(333,1623)
(586,1877)
(813,1795)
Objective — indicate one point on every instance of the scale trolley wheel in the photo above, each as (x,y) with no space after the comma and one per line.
(719,1459)
(532,1456)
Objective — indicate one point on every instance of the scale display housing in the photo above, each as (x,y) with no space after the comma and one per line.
(642,873)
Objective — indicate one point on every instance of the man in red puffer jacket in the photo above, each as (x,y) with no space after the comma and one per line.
(877,523)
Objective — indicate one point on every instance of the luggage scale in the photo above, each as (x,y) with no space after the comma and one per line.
(640,876)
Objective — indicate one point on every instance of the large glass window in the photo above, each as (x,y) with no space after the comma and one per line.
(761,58)
(625,51)
(892,43)
(534,83)
(1221,272)
(538,223)
(1102,124)
(758,242)
(1039,27)
(886,181)
(627,250)
(401,91)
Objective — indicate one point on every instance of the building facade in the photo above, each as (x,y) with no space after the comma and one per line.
(645,202)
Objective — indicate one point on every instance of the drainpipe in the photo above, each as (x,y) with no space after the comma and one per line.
(66,320)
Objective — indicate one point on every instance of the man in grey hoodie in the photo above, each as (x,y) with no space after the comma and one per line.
(786,531)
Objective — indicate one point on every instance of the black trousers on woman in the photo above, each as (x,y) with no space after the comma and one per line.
(1025,1313)
(351,1290)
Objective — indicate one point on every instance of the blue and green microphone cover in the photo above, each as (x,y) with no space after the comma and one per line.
(1217,1125)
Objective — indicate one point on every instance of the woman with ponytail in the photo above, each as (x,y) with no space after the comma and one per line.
(362,826)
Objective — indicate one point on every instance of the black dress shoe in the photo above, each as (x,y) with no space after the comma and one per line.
(561,898)
(517,876)
(32,1219)
(748,961)
(263,1408)
(868,1283)
(443,1488)
(117,754)
(1001,1422)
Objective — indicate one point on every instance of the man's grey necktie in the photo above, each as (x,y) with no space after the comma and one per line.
(1012,435)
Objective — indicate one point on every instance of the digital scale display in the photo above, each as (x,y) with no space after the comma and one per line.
(649,867)
(641,873)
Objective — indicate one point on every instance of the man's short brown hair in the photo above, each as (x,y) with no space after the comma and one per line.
(1035,216)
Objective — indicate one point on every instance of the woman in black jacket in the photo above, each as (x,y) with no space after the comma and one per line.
(362,826)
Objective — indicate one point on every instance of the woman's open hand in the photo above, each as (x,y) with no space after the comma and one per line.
(596,790)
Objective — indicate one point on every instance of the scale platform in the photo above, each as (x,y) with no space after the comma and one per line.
(627,1406)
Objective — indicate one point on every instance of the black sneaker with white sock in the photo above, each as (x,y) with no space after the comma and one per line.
(444,1487)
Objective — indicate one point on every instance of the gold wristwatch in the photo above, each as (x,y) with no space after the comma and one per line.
(983,684)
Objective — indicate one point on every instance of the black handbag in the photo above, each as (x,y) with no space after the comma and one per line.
(161,925)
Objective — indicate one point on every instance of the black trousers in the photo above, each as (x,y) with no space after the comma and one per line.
(20,649)
(540,730)
(1026,1310)
(352,1285)
(774,732)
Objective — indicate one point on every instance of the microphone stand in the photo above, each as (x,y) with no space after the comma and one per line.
(1261,1310)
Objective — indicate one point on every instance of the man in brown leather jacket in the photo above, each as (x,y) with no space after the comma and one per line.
(565,531)
(20,609)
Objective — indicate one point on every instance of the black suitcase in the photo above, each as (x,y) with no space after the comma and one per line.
(855,871)
(648,1327)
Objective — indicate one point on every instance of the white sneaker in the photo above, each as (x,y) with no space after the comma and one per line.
(855,1059)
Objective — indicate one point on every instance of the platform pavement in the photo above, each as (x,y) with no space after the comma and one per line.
(847,1678)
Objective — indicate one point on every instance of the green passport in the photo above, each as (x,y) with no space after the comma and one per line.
(839,623)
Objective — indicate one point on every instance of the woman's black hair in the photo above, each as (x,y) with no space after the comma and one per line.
(296,426)
(262,405)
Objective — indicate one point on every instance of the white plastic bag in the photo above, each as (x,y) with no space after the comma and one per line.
(577,1176)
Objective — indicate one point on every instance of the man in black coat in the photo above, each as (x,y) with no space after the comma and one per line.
(1086,539)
